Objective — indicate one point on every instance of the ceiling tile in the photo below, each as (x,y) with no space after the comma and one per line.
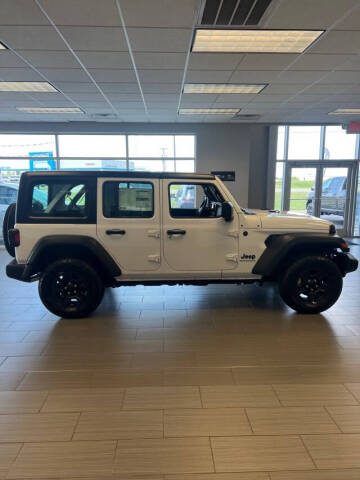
(159,39)
(21,12)
(154,97)
(19,75)
(309,14)
(266,61)
(96,39)
(158,13)
(50,59)
(82,12)
(124,97)
(119,87)
(105,59)
(318,62)
(73,87)
(261,76)
(214,61)
(299,76)
(112,75)
(161,87)
(156,76)
(274,89)
(338,42)
(160,60)
(8,59)
(343,77)
(228,98)
(63,75)
(31,38)
(208,76)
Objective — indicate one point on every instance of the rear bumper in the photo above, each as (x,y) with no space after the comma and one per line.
(347,262)
(20,271)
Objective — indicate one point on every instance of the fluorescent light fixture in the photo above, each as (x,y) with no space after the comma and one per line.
(2,46)
(254,41)
(49,109)
(345,111)
(26,87)
(223,88)
(208,111)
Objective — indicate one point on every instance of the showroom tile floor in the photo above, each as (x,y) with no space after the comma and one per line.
(180,383)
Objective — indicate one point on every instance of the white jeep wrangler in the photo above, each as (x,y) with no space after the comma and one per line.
(79,232)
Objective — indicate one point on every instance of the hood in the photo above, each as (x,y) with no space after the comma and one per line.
(274,220)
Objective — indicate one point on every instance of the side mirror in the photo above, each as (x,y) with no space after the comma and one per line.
(227,211)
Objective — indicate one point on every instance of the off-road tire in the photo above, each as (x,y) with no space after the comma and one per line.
(311,284)
(71,288)
(8,224)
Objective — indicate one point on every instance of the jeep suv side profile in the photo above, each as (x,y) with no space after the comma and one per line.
(80,232)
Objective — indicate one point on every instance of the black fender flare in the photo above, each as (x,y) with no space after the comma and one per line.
(280,246)
(81,242)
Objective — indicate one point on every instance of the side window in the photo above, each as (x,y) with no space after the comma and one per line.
(194,200)
(128,200)
(59,199)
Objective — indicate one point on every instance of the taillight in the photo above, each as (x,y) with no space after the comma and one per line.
(14,237)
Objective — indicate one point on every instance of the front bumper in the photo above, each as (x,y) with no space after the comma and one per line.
(347,262)
(20,271)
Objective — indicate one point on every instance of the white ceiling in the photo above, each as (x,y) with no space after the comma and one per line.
(136,75)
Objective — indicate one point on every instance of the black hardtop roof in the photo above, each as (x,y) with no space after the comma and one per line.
(119,173)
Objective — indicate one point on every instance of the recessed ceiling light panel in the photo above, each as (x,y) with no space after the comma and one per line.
(346,111)
(26,87)
(2,46)
(208,111)
(49,109)
(254,41)
(219,88)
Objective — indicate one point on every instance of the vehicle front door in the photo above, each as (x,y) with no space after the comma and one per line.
(195,236)
(128,222)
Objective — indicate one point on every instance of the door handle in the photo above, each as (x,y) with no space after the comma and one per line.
(176,231)
(115,232)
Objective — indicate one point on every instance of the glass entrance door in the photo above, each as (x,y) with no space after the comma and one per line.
(321,191)
(334,199)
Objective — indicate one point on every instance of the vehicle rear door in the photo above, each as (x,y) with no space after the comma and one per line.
(128,222)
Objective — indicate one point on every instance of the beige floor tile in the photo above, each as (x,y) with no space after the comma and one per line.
(64,459)
(349,474)
(347,418)
(98,345)
(220,476)
(21,348)
(290,420)
(334,451)
(354,389)
(84,399)
(21,402)
(169,455)
(206,422)
(303,395)
(297,374)
(198,376)
(10,380)
(164,360)
(117,425)
(262,453)
(37,427)
(238,396)
(141,398)
(127,378)
(225,359)
(8,453)
(55,380)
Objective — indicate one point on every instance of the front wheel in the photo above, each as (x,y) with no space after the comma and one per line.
(71,288)
(311,284)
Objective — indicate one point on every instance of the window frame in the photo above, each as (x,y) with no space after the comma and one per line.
(147,182)
(192,183)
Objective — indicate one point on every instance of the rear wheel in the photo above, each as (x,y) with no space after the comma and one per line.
(8,224)
(71,288)
(311,284)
